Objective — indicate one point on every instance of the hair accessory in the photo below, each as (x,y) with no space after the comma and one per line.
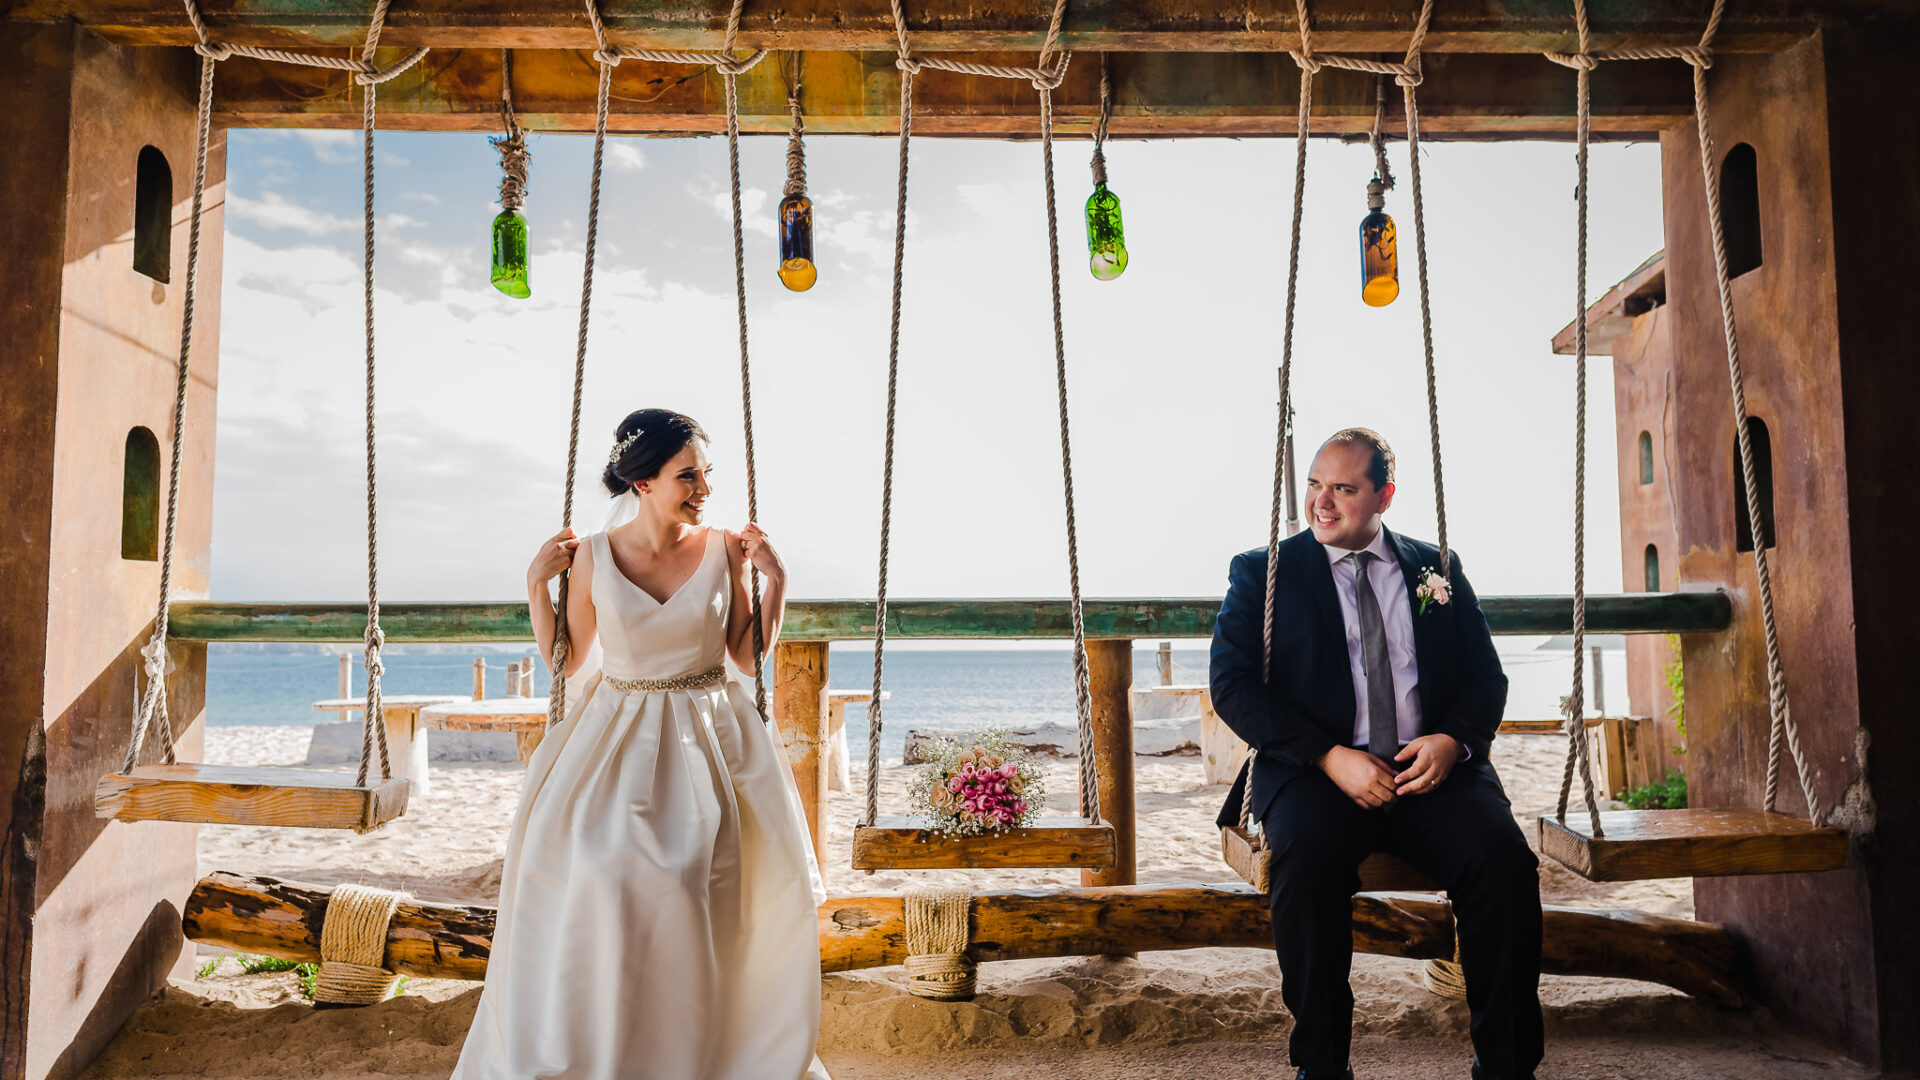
(623,446)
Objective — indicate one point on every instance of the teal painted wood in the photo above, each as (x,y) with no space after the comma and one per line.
(852,620)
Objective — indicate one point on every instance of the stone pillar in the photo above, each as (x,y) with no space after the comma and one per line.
(90,909)
(1826,341)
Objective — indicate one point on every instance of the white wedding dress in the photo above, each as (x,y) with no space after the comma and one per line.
(657,909)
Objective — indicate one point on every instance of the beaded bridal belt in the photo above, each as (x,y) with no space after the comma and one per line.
(661,686)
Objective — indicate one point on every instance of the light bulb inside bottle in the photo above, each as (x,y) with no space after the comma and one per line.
(510,263)
(797,270)
(1106,235)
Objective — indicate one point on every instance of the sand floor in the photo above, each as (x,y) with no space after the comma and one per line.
(1209,1012)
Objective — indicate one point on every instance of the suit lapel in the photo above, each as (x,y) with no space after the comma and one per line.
(1423,625)
(1313,562)
(1336,678)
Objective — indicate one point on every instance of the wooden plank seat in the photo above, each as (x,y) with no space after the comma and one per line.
(1380,872)
(1637,845)
(237,795)
(896,843)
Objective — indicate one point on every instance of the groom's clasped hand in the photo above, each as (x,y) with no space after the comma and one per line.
(1372,783)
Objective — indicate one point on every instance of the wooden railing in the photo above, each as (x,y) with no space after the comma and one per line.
(851,620)
(800,673)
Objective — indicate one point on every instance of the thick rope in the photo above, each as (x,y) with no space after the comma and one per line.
(1575,715)
(1082,682)
(893,395)
(514,157)
(1283,440)
(367,73)
(1782,726)
(1426,311)
(353,946)
(562,643)
(746,372)
(1377,138)
(796,138)
(154,703)
(1099,163)
(938,934)
(1044,81)
(373,721)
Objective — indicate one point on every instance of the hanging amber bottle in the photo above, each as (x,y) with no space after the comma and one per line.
(1379,251)
(1106,235)
(797,271)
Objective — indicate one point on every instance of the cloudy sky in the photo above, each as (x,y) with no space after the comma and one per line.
(1171,366)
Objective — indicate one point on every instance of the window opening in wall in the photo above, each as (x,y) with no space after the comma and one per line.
(140,498)
(1653,568)
(1740,209)
(153,215)
(1646,458)
(1763,476)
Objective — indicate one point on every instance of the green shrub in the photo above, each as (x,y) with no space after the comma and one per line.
(1677,686)
(258,965)
(207,968)
(1668,794)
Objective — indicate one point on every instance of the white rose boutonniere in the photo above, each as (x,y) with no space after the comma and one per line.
(1433,589)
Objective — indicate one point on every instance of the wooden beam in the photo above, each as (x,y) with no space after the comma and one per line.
(798,670)
(1636,845)
(1110,685)
(852,620)
(253,795)
(1350,26)
(1156,94)
(283,918)
(898,842)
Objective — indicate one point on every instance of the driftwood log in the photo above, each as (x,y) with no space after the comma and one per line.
(450,941)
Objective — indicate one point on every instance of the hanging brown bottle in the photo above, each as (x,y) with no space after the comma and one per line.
(1379,251)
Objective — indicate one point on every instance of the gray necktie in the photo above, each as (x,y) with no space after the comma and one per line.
(1383,729)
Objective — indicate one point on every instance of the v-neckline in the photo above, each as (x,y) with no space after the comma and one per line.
(706,549)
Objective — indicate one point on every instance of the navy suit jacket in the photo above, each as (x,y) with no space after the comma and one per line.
(1308,705)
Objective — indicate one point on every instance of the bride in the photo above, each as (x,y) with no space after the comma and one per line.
(658,898)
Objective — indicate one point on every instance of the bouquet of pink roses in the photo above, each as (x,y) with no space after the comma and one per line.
(977,785)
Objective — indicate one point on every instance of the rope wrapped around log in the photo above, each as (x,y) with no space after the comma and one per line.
(353,946)
(938,967)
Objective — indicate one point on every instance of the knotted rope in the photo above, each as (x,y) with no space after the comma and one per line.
(155,663)
(796,135)
(1408,75)
(1781,728)
(1099,163)
(366,72)
(1044,79)
(608,57)
(938,934)
(353,946)
(514,158)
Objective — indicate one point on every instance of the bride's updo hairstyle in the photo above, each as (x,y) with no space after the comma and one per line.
(643,444)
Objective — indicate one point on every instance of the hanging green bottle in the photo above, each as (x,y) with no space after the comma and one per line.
(1106,236)
(510,254)
(797,271)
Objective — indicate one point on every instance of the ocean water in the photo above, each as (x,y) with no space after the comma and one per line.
(929,686)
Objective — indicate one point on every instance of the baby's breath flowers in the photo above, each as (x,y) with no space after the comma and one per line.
(980,784)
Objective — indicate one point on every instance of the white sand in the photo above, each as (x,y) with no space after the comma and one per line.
(1201,1012)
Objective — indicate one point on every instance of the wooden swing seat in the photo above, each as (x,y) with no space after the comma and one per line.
(896,843)
(1380,872)
(1641,844)
(236,795)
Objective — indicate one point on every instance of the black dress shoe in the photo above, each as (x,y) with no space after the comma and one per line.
(1303,1074)
(1481,1072)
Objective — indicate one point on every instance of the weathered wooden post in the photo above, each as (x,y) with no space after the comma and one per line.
(527,685)
(346,676)
(480,678)
(1599,683)
(1110,675)
(799,706)
(1166,663)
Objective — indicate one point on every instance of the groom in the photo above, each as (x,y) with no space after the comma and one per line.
(1373,729)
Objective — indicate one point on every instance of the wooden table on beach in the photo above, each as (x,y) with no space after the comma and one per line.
(406,741)
(838,776)
(526,717)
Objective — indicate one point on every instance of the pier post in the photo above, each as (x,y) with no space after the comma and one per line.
(1110,674)
(799,696)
